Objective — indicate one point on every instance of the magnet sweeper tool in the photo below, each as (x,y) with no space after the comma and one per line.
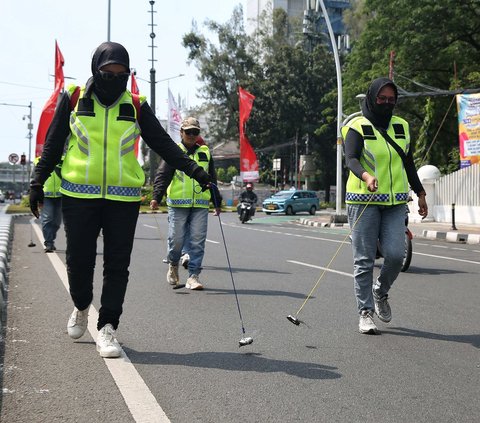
(294,318)
(246,340)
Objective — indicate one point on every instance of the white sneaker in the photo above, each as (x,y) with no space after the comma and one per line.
(77,323)
(172,275)
(366,323)
(193,283)
(107,344)
(184,260)
(382,308)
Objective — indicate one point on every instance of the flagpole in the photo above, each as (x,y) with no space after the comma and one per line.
(108,20)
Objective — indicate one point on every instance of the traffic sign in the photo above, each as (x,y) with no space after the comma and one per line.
(13,158)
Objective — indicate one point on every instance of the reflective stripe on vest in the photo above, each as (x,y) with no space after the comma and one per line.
(184,191)
(381,160)
(100,160)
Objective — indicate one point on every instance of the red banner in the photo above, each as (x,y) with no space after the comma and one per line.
(248,158)
(134,90)
(49,108)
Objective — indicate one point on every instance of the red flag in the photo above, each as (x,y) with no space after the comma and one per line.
(49,108)
(248,158)
(134,90)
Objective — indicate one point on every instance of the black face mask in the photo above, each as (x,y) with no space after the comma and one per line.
(384,109)
(108,91)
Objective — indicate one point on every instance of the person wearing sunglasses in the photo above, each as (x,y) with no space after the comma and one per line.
(101,183)
(187,205)
(379,155)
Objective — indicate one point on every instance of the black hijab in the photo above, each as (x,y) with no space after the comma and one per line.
(106,54)
(378,114)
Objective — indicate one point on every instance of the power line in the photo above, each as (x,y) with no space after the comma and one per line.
(25,86)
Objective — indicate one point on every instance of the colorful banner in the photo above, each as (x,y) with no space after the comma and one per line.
(174,119)
(248,158)
(134,90)
(49,108)
(468,106)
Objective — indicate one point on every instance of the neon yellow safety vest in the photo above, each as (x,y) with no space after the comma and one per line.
(100,160)
(51,187)
(380,159)
(184,191)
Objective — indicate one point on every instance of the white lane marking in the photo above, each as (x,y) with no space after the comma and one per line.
(320,267)
(150,226)
(139,399)
(213,242)
(447,258)
(347,242)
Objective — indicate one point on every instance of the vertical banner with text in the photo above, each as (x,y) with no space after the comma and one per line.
(468,106)
(174,120)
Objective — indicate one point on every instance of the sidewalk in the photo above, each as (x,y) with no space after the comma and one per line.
(464,234)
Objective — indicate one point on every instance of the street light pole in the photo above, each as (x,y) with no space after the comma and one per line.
(339,107)
(30,127)
(153,157)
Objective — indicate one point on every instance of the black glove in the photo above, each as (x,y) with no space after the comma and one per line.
(36,197)
(203,178)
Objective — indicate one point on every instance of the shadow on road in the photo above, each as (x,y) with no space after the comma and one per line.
(473,339)
(270,292)
(248,362)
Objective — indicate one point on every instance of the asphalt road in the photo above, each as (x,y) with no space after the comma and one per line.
(183,345)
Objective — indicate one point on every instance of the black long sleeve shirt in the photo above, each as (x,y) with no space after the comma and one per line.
(353,149)
(152,133)
(165,173)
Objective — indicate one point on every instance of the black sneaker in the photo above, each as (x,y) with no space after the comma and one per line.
(49,248)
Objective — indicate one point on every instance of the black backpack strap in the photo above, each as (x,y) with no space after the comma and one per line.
(397,148)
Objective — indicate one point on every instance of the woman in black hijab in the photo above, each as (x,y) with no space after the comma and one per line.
(379,155)
(101,183)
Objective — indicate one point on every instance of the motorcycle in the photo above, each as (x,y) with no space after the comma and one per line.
(245,211)
(408,246)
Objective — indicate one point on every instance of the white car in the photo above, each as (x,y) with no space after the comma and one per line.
(2,197)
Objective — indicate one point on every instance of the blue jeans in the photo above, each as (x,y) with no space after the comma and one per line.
(187,223)
(383,223)
(51,218)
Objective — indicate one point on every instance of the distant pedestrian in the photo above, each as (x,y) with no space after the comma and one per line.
(101,183)
(378,152)
(187,205)
(51,212)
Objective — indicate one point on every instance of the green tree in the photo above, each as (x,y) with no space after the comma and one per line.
(436,43)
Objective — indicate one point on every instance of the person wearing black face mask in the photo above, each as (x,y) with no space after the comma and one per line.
(379,155)
(101,183)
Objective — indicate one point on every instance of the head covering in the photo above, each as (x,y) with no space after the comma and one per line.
(378,114)
(190,123)
(108,53)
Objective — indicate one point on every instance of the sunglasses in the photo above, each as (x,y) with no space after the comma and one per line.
(110,76)
(385,99)
(192,131)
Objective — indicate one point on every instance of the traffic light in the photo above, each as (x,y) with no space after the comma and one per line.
(23,160)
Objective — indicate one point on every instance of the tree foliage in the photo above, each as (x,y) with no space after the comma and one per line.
(436,43)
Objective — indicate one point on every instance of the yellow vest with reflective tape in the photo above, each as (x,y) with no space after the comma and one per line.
(184,191)
(100,161)
(51,187)
(381,160)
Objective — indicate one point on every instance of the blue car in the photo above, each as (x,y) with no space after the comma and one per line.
(291,202)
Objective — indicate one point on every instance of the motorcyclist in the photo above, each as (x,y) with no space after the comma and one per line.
(248,196)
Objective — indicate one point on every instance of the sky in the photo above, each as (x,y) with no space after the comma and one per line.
(29,29)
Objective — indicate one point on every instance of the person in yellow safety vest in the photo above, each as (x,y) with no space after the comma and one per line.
(101,183)
(51,213)
(379,154)
(187,206)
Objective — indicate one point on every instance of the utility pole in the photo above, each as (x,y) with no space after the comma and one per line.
(153,157)
(108,19)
